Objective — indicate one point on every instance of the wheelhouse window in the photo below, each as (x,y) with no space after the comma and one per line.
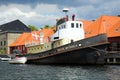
(59,28)
(64,26)
(80,25)
(77,25)
(72,25)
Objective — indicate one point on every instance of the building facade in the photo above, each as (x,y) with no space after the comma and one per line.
(8,34)
(6,38)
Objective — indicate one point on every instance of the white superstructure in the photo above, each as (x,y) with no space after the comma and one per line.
(70,30)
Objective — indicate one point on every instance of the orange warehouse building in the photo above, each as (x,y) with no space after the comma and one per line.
(109,25)
(32,38)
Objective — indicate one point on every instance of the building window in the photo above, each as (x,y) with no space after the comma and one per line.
(1,43)
(4,42)
(117,46)
(5,50)
(114,46)
(72,25)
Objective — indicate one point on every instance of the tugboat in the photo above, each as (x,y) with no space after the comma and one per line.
(68,45)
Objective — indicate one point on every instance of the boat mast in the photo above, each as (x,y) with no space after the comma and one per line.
(66,10)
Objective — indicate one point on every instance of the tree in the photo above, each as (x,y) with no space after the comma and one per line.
(54,26)
(33,27)
(47,26)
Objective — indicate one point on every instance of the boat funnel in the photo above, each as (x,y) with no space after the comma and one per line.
(73,17)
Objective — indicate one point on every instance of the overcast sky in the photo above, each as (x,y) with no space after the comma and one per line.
(45,12)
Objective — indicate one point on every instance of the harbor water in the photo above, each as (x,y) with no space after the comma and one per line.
(57,72)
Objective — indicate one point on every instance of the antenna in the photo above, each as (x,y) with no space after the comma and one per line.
(65,10)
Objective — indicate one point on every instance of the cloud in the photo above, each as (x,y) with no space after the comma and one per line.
(39,15)
(42,12)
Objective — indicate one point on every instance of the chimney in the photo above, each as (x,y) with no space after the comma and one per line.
(118,15)
(93,20)
(73,17)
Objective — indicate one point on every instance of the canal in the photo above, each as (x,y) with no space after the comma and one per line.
(53,72)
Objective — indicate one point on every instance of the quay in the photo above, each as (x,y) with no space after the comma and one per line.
(112,57)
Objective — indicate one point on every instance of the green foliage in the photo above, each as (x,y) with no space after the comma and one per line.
(53,26)
(33,28)
(47,26)
(2,51)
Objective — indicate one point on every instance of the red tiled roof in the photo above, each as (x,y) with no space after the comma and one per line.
(86,23)
(34,36)
(21,39)
(102,25)
(114,31)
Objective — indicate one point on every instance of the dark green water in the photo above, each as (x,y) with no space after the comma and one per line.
(52,72)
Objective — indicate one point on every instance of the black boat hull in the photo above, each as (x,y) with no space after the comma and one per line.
(86,51)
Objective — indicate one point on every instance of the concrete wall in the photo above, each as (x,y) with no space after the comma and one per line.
(6,39)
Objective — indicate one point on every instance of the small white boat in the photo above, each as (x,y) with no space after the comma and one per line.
(18,60)
(5,59)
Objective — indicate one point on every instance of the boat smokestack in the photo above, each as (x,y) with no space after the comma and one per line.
(67,18)
(118,15)
(73,17)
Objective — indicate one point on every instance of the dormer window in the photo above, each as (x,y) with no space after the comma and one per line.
(117,29)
